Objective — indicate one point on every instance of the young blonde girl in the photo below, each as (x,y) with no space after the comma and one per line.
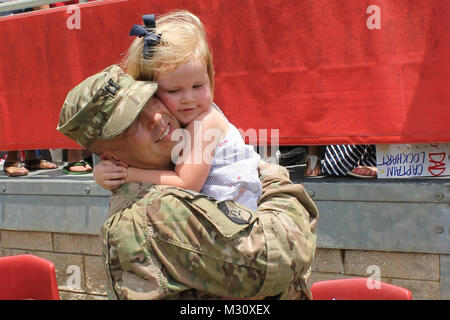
(214,158)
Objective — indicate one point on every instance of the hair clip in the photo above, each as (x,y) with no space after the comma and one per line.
(150,38)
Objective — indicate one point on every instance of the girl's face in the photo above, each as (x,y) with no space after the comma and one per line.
(186,92)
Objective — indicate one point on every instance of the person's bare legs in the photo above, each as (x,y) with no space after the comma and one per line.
(13,167)
(313,155)
(74,156)
(12,156)
(34,162)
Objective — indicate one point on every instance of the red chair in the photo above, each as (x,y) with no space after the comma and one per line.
(358,289)
(27,277)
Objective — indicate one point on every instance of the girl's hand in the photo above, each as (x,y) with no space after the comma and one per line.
(110,175)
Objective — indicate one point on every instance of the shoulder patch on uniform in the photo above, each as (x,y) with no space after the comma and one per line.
(234,213)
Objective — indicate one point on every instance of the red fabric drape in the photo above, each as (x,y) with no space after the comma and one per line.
(311,69)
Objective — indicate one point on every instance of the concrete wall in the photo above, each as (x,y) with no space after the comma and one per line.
(418,272)
(80,255)
(77,258)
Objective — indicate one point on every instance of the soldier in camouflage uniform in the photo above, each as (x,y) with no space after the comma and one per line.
(163,242)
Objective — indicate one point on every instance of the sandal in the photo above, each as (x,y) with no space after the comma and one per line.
(15,173)
(39,164)
(81,163)
(363,176)
(312,161)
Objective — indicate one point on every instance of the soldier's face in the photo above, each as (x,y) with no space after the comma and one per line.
(147,142)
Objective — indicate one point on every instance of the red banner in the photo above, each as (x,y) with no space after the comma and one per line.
(319,72)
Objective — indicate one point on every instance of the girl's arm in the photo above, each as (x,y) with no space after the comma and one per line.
(192,177)
(203,134)
(109,175)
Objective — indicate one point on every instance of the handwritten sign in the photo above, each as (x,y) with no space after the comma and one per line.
(413,160)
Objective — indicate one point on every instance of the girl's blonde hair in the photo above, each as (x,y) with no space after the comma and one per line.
(183,37)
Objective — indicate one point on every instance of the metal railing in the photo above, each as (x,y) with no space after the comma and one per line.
(24,4)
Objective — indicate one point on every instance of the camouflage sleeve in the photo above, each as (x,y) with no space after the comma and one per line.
(175,244)
(288,216)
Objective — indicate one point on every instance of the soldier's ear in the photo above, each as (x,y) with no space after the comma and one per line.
(103,156)
(107,155)
(112,157)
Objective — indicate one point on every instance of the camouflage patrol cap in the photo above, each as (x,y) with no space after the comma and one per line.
(103,106)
